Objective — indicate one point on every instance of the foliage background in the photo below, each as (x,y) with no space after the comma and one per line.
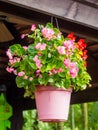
(32,123)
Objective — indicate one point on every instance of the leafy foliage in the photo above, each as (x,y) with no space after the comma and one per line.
(32,123)
(51,59)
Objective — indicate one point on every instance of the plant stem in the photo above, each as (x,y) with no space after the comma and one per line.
(60,126)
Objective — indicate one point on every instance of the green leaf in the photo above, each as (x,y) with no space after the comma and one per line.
(23,64)
(67,83)
(17,64)
(35,82)
(44,58)
(32,65)
(43,69)
(62,74)
(41,80)
(57,84)
(40,26)
(49,67)
(56,30)
(21,82)
(27,93)
(31,49)
(49,25)
(44,79)
(17,49)
(50,80)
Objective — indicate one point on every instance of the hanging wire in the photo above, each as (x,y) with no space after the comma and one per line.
(56,20)
(51,19)
(57,23)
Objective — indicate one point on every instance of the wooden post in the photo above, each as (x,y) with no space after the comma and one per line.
(72,117)
(85,116)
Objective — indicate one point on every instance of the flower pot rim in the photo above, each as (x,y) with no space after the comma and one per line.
(52,88)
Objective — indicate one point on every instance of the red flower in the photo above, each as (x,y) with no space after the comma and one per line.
(71,36)
(84,56)
(81,44)
(85,64)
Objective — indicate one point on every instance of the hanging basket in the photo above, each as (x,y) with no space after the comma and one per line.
(52,103)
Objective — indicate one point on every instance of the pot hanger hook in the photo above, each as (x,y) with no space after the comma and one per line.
(56,21)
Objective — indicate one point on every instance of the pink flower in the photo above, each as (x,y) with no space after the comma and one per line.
(59,35)
(50,73)
(59,70)
(47,33)
(25,47)
(40,76)
(15,72)
(39,53)
(12,61)
(37,61)
(61,50)
(40,46)
(74,72)
(68,53)
(23,36)
(67,63)
(25,77)
(21,73)
(33,27)
(54,71)
(8,53)
(17,59)
(35,58)
(10,70)
(37,72)
(30,78)
(73,65)
(43,46)
(69,45)
(38,64)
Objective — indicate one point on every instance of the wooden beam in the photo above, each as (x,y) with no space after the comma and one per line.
(5,34)
(80,31)
(67,9)
(14,19)
(2,52)
(90,3)
(88,95)
(3,59)
(40,17)
(3,66)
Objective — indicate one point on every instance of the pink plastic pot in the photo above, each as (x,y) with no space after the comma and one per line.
(52,103)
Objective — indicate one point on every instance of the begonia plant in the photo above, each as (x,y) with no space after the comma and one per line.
(50,59)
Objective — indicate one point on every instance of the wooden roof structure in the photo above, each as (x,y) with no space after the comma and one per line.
(78,16)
